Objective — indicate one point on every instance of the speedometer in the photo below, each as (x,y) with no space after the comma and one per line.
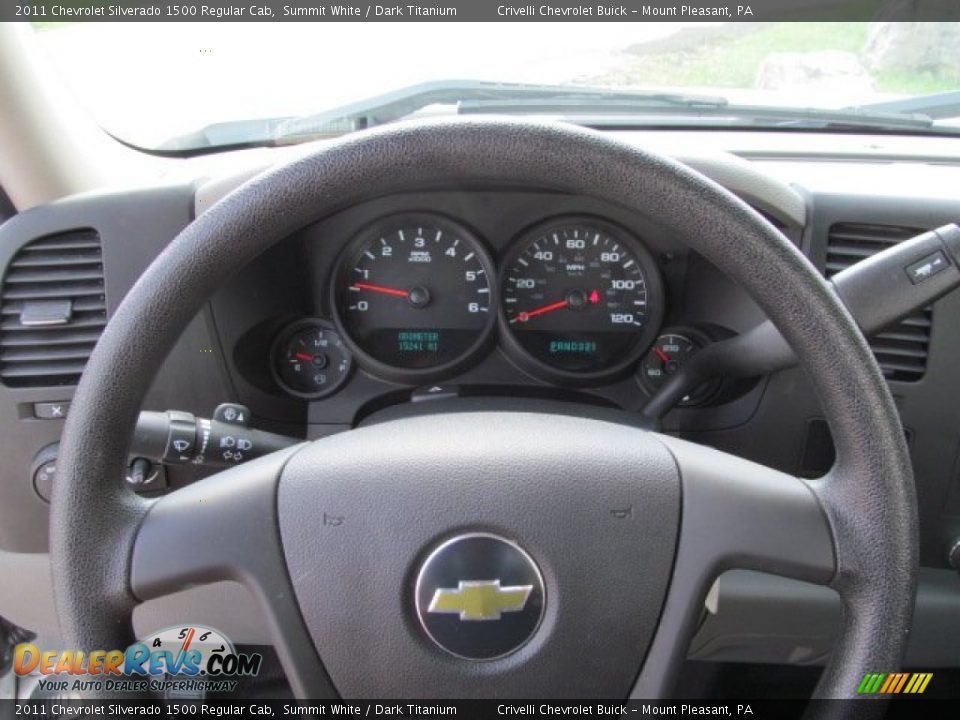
(414,296)
(581,300)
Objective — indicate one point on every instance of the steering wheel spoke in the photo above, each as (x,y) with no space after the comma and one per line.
(225,528)
(735,514)
(739,514)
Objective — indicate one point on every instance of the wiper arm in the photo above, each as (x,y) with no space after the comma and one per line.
(636,109)
(935,106)
(475,95)
(229,135)
(466,95)
(587,105)
(852,118)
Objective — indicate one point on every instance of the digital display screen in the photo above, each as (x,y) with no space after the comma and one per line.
(415,348)
(418,341)
(573,346)
(577,351)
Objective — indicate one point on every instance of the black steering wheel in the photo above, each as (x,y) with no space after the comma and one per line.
(603,538)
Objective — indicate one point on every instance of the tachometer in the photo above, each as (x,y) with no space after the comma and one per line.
(414,296)
(581,300)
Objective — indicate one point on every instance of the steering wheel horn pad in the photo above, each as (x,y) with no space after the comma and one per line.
(551,483)
(439,477)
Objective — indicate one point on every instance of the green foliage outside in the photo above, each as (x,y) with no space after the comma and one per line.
(733,59)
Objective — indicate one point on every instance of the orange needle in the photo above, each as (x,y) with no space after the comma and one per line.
(524,316)
(381,289)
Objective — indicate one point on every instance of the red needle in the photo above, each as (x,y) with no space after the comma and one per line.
(303,356)
(186,643)
(381,289)
(524,316)
(662,355)
(187,639)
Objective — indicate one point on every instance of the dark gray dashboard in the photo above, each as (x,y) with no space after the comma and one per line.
(224,355)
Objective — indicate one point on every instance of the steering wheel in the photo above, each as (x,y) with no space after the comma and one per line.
(489,552)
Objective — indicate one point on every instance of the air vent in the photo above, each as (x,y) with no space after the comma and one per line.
(901,349)
(52,310)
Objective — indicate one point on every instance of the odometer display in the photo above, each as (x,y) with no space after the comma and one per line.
(413,295)
(580,298)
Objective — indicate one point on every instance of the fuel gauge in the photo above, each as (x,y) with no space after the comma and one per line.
(671,350)
(309,359)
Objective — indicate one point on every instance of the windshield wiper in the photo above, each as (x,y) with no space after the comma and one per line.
(936,106)
(634,110)
(591,106)
(477,95)
(585,105)
(845,119)
(465,95)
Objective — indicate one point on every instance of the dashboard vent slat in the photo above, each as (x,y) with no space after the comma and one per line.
(902,349)
(35,354)
(39,291)
(18,276)
(40,374)
(82,239)
(902,334)
(66,336)
(66,267)
(92,303)
(79,320)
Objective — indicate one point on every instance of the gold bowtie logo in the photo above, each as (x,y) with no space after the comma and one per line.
(480,599)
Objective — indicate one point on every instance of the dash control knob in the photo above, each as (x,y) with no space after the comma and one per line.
(43,471)
(232,414)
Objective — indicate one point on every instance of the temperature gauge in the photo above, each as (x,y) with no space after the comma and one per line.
(667,355)
(310,360)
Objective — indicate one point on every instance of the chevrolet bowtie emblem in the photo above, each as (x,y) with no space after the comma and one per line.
(480,599)
(474,578)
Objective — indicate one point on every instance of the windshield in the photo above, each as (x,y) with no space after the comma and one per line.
(199,86)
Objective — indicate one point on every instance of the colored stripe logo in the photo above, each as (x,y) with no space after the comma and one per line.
(894,683)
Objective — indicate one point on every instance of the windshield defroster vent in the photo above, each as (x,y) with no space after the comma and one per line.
(52,310)
(901,349)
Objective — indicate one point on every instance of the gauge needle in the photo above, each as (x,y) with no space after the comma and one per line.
(524,316)
(303,356)
(381,289)
(186,643)
(661,354)
(187,639)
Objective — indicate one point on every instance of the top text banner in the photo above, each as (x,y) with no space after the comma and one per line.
(478,11)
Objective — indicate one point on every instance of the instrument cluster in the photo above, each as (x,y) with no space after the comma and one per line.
(417,297)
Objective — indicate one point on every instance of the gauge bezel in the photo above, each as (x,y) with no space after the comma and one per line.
(701,339)
(415,376)
(655,304)
(284,335)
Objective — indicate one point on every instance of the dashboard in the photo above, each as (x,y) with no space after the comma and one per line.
(485,292)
